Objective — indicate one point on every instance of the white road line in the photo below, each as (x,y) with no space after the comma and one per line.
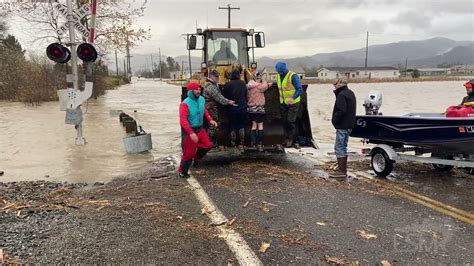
(235,241)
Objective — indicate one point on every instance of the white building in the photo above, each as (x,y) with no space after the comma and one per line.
(179,75)
(434,71)
(357,72)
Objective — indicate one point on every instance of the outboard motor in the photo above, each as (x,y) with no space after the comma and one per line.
(372,103)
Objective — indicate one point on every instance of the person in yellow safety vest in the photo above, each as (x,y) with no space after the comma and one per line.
(290,89)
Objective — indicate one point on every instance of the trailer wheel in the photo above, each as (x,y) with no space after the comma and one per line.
(381,163)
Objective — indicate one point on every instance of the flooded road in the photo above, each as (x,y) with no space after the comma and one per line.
(36,144)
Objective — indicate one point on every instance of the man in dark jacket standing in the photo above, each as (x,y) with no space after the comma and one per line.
(343,120)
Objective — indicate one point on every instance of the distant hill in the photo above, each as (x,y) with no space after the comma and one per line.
(424,53)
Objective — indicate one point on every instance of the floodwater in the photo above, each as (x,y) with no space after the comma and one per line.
(37,144)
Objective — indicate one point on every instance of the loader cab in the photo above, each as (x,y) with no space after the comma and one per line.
(225,48)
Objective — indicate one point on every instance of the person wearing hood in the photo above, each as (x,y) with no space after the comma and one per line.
(214,98)
(256,108)
(469,99)
(290,89)
(343,120)
(196,141)
(236,90)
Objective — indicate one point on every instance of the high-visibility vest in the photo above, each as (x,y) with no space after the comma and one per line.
(286,88)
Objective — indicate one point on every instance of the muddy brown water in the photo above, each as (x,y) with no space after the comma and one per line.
(37,144)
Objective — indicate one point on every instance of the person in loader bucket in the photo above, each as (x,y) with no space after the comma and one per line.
(196,142)
(256,108)
(236,90)
(289,88)
(469,99)
(214,98)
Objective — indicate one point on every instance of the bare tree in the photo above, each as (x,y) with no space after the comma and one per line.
(114,29)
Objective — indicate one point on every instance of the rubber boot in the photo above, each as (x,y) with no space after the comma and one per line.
(214,141)
(241,138)
(233,137)
(253,137)
(291,136)
(260,140)
(260,137)
(341,171)
(183,170)
(200,153)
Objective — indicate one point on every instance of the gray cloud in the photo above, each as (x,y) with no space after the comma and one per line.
(413,19)
(300,25)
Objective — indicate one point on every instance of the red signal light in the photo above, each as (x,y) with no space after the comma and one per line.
(86,52)
(58,53)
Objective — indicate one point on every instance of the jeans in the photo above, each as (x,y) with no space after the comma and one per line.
(342,137)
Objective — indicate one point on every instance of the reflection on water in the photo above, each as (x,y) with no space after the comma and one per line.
(36,144)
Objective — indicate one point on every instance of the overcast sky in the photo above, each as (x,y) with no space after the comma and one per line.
(304,27)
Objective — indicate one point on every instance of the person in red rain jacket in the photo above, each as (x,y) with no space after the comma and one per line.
(196,142)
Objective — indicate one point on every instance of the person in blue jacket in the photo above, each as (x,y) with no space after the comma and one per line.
(290,89)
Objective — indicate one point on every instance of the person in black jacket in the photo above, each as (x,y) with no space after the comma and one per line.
(236,90)
(343,120)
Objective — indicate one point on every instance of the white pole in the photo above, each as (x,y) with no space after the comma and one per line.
(80,140)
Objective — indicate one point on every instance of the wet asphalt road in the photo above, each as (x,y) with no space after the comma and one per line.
(305,218)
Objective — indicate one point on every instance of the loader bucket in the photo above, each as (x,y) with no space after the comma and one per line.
(274,134)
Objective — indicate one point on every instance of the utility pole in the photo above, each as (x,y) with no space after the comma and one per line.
(406,65)
(159,54)
(189,59)
(129,69)
(366,49)
(152,66)
(116,63)
(124,69)
(228,12)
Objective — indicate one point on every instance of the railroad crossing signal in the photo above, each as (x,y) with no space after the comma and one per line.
(58,53)
(76,19)
(61,54)
(86,52)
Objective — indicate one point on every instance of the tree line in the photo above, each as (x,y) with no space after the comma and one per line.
(168,66)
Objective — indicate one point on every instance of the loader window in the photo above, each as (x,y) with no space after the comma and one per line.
(223,51)
(226,48)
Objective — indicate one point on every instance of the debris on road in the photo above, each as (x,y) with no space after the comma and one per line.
(231,222)
(340,261)
(263,247)
(246,203)
(365,235)
(385,263)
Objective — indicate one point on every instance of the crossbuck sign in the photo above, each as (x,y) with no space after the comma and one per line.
(76,19)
